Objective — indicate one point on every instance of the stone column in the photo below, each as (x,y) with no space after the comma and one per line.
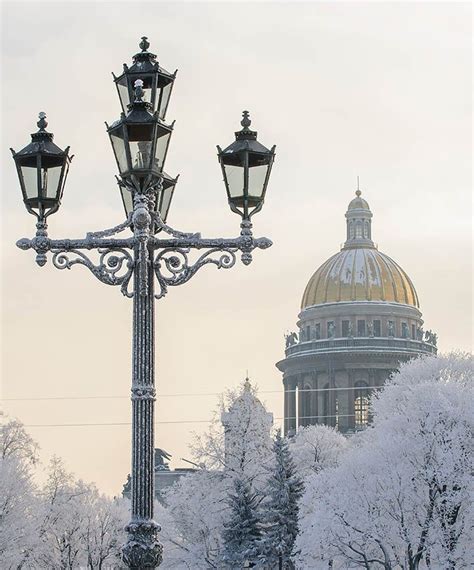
(290,407)
(301,401)
(350,384)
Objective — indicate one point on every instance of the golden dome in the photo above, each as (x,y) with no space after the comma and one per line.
(359,274)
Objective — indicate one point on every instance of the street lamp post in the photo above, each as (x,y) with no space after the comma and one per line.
(139,262)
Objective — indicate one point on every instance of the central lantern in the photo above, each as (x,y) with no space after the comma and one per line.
(140,142)
(140,138)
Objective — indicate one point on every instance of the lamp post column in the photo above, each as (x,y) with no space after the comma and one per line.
(143,550)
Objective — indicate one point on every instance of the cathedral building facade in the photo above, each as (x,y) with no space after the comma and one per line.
(359,319)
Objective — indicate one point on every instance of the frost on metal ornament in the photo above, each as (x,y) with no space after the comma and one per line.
(171,262)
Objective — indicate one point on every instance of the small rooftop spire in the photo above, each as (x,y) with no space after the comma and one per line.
(247,384)
(358,192)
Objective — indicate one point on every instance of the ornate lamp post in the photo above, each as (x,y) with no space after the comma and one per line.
(139,262)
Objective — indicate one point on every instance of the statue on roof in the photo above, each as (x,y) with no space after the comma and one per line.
(160,459)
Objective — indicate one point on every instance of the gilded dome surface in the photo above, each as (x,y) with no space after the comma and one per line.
(359,272)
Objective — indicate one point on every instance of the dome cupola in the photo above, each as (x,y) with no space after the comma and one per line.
(359,222)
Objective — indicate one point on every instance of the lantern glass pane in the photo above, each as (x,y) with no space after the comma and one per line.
(147,87)
(165,97)
(127,199)
(257,175)
(167,194)
(51,177)
(30,180)
(160,151)
(140,152)
(118,144)
(235,180)
(123,93)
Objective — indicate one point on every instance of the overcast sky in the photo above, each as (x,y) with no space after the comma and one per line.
(379,90)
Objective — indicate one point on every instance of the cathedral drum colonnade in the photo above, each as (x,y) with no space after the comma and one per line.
(359,320)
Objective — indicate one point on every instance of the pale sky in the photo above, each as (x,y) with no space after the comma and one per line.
(379,90)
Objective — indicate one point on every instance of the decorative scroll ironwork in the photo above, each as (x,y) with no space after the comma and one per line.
(155,216)
(114,267)
(172,266)
(168,257)
(111,231)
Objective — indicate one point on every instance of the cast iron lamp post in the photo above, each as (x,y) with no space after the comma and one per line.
(140,140)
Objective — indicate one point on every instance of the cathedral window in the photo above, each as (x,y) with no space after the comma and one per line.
(317,331)
(390,328)
(377,328)
(331,329)
(413,332)
(404,330)
(308,333)
(361,405)
(361,328)
(358,230)
(351,230)
(345,328)
(366,229)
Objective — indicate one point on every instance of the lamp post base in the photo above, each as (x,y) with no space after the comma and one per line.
(142,551)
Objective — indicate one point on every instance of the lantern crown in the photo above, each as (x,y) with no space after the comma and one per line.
(245,133)
(245,139)
(144,61)
(157,82)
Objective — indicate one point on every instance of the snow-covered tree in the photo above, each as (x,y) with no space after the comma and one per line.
(103,535)
(18,502)
(64,524)
(239,438)
(315,448)
(401,498)
(192,521)
(280,508)
(242,530)
(197,506)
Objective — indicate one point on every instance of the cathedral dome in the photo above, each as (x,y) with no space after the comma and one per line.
(359,272)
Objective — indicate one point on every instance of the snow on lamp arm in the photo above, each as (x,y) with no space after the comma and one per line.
(140,141)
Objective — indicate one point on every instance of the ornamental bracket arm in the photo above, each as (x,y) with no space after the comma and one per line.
(120,257)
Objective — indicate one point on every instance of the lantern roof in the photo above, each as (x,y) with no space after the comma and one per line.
(246,139)
(145,62)
(41,142)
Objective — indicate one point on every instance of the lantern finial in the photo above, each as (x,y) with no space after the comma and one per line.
(144,44)
(42,123)
(138,85)
(245,122)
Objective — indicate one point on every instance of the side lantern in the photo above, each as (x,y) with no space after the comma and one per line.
(42,169)
(246,165)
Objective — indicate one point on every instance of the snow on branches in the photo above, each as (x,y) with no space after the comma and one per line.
(63,524)
(401,498)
